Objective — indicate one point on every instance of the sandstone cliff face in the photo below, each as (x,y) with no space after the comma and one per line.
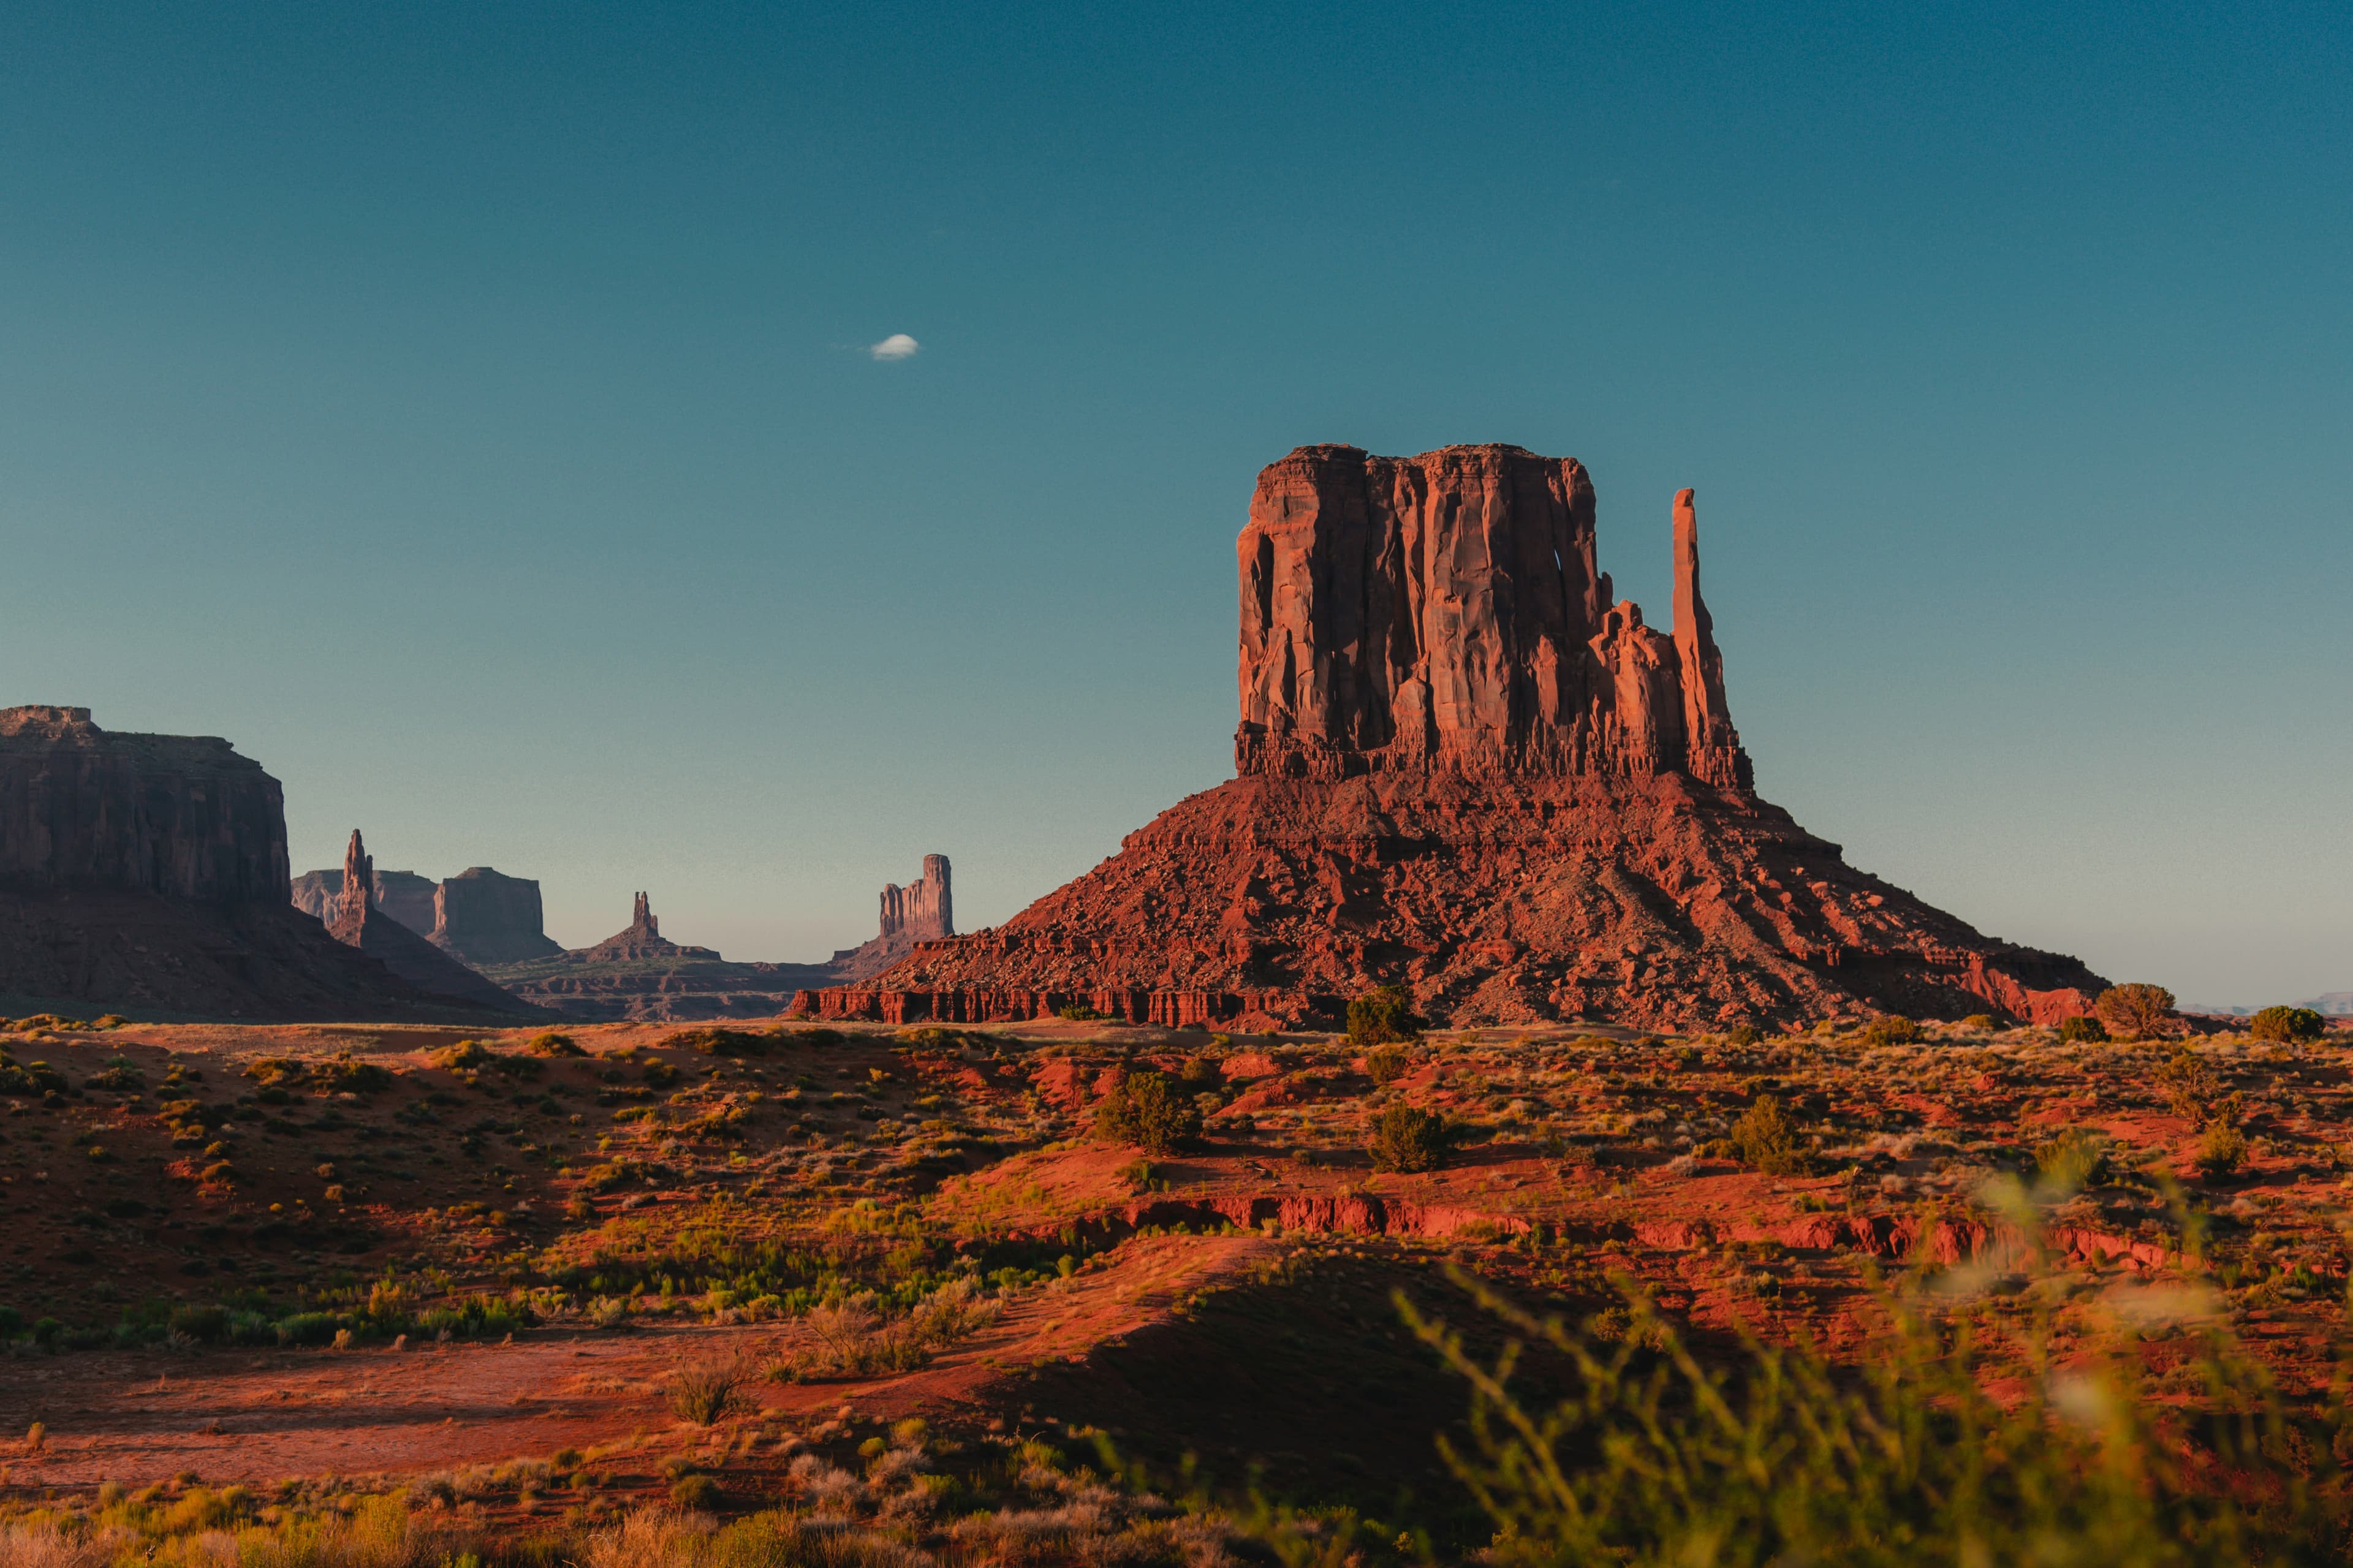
(480,915)
(1446,612)
(1465,769)
(182,816)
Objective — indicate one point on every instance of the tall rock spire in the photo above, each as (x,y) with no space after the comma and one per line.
(1712,747)
(359,884)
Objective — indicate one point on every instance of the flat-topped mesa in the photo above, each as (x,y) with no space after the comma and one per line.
(482,916)
(1446,613)
(179,815)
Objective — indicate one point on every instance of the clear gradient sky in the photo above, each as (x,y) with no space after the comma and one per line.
(468,409)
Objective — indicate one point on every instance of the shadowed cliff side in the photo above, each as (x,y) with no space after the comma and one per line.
(148,874)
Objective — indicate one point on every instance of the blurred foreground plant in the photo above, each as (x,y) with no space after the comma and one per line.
(1908,1458)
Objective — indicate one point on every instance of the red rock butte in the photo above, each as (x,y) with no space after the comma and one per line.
(1464,767)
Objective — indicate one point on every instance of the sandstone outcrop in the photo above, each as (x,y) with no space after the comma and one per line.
(1463,768)
(360,924)
(923,910)
(478,917)
(148,874)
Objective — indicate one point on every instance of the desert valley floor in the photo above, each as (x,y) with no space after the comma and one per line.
(554,1275)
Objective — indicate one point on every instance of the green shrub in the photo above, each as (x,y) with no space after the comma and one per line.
(1921,1451)
(1767,1139)
(1387,1064)
(1382,1018)
(2190,1087)
(552,1044)
(1984,1023)
(2284,1024)
(2223,1151)
(2074,1160)
(1742,1035)
(205,1322)
(695,1492)
(1407,1137)
(306,1329)
(1150,1111)
(2135,1012)
(1080,1013)
(1893,1029)
(466,1056)
(717,1042)
(2081,1030)
(706,1392)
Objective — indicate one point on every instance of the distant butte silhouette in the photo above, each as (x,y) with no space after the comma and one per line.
(1465,767)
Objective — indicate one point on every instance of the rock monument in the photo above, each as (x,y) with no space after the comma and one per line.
(148,873)
(358,923)
(478,917)
(923,910)
(1464,767)
(403,896)
(481,916)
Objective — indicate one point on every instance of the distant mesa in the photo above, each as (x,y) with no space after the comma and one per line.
(486,917)
(1464,767)
(479,916)
(359,923)
(148,873)
(403,895)
(642,938)
(639,974)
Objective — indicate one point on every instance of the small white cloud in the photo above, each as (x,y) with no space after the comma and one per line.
(898,345)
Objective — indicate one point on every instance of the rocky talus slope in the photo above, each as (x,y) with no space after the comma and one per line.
(1463,768)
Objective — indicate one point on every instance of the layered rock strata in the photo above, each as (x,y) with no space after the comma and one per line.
(360,924)
(148,874)
(1464,769)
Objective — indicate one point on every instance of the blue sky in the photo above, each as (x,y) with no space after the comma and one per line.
(467,410)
